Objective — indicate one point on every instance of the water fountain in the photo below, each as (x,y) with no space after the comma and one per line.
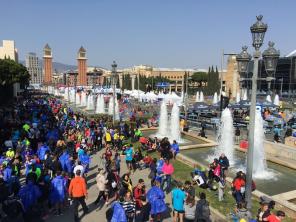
(268,98)
(245,95)
(163,120)
(226,136)
(276,100)
(56,92)
(66,94)
(259,160)
(110,106)
(215,100)
(116,110)
(83,99)
(72,96)
(90,102)
(201,97)
(77,99)
(100,108)
(175,123)
(237,97)
(197,97)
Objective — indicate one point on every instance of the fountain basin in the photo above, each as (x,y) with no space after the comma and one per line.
(188,140)
(284,181)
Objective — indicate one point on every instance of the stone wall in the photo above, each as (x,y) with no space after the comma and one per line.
(280,150)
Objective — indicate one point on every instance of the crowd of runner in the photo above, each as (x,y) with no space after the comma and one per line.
(45,153)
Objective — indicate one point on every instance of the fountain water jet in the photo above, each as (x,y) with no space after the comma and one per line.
(276,100)
(90,102)
(245,95)
(77,99)
(163,120)
(175,123)
(116,110)
(83,99)
(100,108)
(72,96)
(225,136)
(268,98)
(260,169)
(66,97)
(201,97)
(237,97)
(215,100)
(110,107)
(197,97)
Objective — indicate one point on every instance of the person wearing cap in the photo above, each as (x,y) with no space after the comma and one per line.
(280,215)
(101,180)
(156,198)
(77,190)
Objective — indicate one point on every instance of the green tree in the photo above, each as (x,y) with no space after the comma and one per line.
(12,72)
(213,81)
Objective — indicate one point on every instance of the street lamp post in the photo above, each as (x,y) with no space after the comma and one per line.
(114,79)
(270,57)
(258,30)
(138,80)
(185,95)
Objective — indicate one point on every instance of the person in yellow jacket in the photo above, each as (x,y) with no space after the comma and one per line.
(108,137)
(10,153)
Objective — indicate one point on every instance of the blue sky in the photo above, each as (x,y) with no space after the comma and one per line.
(163,33)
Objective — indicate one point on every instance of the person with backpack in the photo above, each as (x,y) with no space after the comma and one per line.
(202,210)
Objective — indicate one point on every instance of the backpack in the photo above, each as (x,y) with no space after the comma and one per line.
(12,208)
(109,214)
(205,210)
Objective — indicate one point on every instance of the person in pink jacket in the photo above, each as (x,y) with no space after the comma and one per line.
(167,170)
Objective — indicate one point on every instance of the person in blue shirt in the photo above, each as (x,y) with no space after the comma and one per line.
(85,160)
(29,195)
(58,192)
(175,148)
(155,197)
(118,213)
(6,172)
(178,199)
(129,157)
(41,151)
(63,160)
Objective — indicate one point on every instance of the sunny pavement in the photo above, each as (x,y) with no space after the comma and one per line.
(97,213)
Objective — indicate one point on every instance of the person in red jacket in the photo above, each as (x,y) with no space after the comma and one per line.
(139,191)
(78,192)
(238,186)
(280,215)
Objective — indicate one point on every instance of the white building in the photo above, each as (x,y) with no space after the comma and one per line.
(8,50)
(34,68)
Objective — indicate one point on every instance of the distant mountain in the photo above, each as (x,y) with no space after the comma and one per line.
(59,67)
